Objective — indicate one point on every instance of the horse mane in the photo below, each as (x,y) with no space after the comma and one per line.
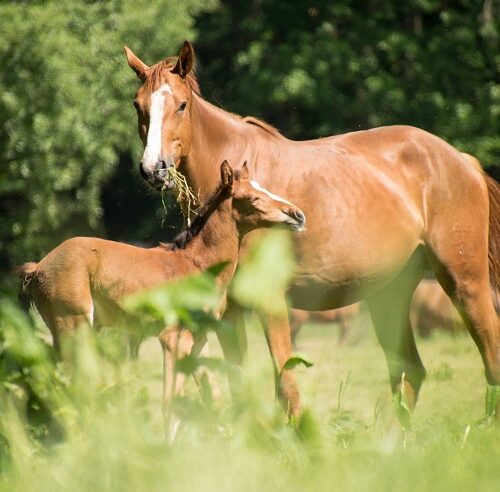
(185,237)
(155,75)
(251,120)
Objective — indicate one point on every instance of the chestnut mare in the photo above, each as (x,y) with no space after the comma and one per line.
(84,279)
(383,206)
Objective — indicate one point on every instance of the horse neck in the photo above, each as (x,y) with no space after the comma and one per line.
(216,136)
(217,242)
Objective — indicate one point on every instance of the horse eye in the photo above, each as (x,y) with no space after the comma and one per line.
(136,105)
(182,107)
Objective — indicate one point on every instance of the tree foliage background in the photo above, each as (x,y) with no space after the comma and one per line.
(66,112)
(68,143)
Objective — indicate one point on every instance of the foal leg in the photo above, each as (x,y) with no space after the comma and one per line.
(204,378)
(134,344)
(63,317)
(390,313)
(63,329)
(176,343)
(278,336)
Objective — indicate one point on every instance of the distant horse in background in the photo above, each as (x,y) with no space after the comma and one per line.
(432,309)
(384,207)
(343,317)
(84,279)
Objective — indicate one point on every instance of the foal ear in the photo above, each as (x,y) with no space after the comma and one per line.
(244,173)
(226,175)
(185,62)
(135,63)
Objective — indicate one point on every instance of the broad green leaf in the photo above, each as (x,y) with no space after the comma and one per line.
(264,272)
(295,361)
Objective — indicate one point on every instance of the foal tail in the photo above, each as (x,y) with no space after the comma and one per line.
(26,272)
(494,236)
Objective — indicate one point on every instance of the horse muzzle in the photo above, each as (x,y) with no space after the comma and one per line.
(157,175)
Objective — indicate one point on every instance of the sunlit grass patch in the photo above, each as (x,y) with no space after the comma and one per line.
(111,436)
(96,423)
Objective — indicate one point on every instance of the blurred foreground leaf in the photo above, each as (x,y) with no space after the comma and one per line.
(297,360)
(264,273)
(401,406)
(190,301)
(17,335)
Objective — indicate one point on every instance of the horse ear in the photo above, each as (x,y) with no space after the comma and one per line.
(135,63)
(226,175)
(185,62)
(244,173)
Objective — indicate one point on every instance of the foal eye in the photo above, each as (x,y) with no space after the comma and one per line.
(182,107)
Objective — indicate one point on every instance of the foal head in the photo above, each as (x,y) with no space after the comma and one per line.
(251,206)
(163,104)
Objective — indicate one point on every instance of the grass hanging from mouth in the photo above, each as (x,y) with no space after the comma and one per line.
(184,194)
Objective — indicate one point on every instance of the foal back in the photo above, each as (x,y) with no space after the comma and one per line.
(82,281)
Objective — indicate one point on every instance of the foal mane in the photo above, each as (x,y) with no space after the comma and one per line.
(182,239)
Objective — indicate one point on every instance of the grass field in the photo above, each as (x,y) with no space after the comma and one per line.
(106,432)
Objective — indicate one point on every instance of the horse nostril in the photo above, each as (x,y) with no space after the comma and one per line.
(299,216)
(161,165)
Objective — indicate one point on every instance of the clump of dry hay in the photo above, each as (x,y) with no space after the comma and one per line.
(184,194)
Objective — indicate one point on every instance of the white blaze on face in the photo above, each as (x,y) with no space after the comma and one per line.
(258,187)
(152,152)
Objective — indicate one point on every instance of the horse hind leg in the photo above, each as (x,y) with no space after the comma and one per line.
(459,258)
(62,324)
(63,316)
(390,313)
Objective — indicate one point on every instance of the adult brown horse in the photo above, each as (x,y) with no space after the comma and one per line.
(383,206)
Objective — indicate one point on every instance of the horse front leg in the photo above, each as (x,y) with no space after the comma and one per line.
(278,335)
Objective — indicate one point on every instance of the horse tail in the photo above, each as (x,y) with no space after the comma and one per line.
(494,235)
(27,273)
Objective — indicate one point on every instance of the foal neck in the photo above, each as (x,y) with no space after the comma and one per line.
(214,240)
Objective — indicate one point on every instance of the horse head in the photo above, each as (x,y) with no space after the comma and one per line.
(163,104)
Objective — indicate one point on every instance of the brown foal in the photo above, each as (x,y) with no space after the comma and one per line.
(384,206)
(84,279)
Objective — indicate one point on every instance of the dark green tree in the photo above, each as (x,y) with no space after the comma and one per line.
(317,68)
(66,110)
